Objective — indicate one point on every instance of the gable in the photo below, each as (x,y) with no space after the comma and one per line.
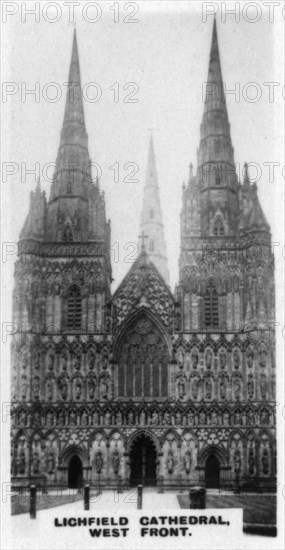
(144,287)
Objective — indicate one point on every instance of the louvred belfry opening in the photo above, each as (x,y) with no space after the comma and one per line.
(74,309)
(211,306)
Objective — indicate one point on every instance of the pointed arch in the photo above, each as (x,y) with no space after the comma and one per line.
(142,354)
(219,228)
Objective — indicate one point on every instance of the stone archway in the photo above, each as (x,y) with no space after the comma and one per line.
(212,472)
(143,461)
(75,472)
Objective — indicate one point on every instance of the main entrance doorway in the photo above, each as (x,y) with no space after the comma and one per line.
(143,461)
(75,473)
(212,473)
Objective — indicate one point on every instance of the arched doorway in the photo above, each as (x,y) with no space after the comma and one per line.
(212,472)
(143,461)
(75,476)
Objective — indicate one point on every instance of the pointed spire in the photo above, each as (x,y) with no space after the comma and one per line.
(246,180)
(151,217)
(74,111)
(215,143)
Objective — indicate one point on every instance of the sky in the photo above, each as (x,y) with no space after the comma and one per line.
(166,55)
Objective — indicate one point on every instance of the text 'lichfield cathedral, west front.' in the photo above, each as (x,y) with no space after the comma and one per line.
(144,385)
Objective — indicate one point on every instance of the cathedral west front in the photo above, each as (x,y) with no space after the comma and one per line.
(144,385)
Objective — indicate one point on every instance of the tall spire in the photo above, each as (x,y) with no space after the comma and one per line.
(73,157)
(151,217)
(75,200)
(215,142)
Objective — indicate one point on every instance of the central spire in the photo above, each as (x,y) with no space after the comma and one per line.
(151,217)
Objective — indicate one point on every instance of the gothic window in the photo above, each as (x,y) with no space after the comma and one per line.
(74,308)
(211,306)
(151,246)
(143,362)
(151,214)
(219,228)
(67,235)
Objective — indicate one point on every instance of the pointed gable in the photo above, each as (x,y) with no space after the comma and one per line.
(143,286)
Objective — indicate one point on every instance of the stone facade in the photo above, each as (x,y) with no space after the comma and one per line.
(145,385)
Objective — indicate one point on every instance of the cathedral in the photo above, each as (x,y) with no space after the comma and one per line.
(144,385)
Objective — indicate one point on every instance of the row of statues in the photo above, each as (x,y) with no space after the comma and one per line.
(245,417)
(221,388)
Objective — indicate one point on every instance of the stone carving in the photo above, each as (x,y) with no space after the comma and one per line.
(265,462)
(237,462)
(236,359)
(50,463)
(250,387)
(98,462)
(263,386)
(251,460)
(187,462)
(36,462)
(170,462)
(116,461)
(22,462)
(223,359)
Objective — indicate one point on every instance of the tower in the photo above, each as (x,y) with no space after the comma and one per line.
(151,217)
(62,285)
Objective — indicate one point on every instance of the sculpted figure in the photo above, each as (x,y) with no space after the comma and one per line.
(181,388)
(251,461)
(170,462)
(63,389)
(265,462)
(98,462)
(237,388)
(187,462)
(50,463)
(237,461)
(236,359)
(154,418)
(131,417)
(116,461)
(195,388)
(208,388)
(22,462)
(91,388)
(36,462)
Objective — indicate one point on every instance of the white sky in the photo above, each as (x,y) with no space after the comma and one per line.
(166,54)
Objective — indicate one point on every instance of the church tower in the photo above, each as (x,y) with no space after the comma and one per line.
(151,223)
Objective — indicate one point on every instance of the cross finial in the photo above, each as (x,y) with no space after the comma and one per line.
(143,236)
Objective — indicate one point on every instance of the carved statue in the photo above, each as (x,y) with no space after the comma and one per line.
(23,418)
(214,418)
(142,418)
(237,388)
(36,462)
(263,386)
(223,388)
(265,462)
(187,462)
(166,418)
(249,357)
(63,361)
(78,389)
(202,417)
(170,462)
(63,388)
(223,359)
(36,387)
(104,388)
(154,418)
(50,362)
(195,388)
(131,417)
(96,418)
(119,418)
(61,418)
(208,388)
(108,418)
(49,389)
(77,362)
(72,418)
(50,463)
(190,418)
(24,389)
(226,418)
(49,418)
(237,461)
(116,461)
(91,388)
(181,388)
(237,417)
(178,418)
(251,461)
(236,359)
(37,418)
(250,388)
(195,359)
(98,462)
(208,359)
(22,462)
(84,418)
